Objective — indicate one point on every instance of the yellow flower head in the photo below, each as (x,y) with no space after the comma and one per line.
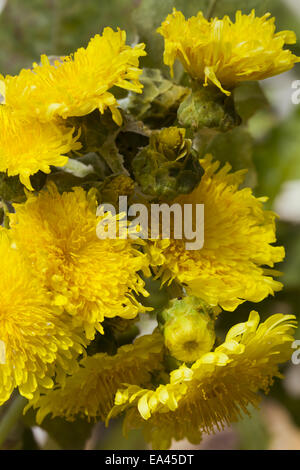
(37,344)
(88,277)
(225,53)
(28,146)
(90,391)
(215,389)
(78,84)
(238,237)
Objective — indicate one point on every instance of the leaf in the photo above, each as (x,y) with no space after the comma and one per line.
(110,152)
(98,134)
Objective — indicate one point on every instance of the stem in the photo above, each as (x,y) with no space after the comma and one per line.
(211,9)
(11,417)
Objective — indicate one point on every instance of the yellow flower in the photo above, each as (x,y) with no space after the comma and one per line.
(78,84)
(38,345)
(225,53)
(28,146)
(215,389)
(90,391)
(238,237)
(90,278)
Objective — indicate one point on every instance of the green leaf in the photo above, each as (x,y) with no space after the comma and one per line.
(110,152)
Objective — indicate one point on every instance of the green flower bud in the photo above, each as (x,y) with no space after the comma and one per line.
(188,329)
(171,143)
(210,108)
(115,186)
(167,167)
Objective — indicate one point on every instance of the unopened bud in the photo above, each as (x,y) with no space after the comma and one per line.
(167,166)
(171,142)
(208,108)
(188,329)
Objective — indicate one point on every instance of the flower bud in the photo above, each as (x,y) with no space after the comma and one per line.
(188,329)
(171,143)
(115,186)
(208,107)
(167,166)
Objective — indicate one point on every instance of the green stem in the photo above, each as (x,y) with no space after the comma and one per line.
(211,9)
(11,417)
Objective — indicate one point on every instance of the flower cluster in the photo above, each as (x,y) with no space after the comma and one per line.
(39,101)
(215,389)
(71,299)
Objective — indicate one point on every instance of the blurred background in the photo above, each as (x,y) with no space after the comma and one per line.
(269,146)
